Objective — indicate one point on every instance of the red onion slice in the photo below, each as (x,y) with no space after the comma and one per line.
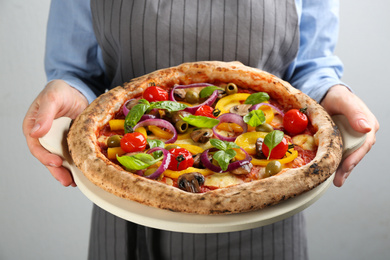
(255,107)
(125,109)
(230,118)
(204,157)
(164,164)
(161,123)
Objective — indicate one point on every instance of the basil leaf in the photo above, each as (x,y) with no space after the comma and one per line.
(156,143)
(224,157)
(255,118)
(135,115)
(257,98)
(223,145)
(171,106)
(207,91)
(201,121)
(272,139)
(137,162)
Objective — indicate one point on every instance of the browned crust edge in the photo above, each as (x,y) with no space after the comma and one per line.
(255,195)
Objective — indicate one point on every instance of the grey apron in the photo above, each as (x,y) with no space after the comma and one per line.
(138,37)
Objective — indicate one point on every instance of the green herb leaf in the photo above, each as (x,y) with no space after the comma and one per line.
(201,121)
(156,143)
(255,118)
(224,157)
(257,98)
(223,145)
(171,106)
(135,115)
(138,161)
(272,139)
(207,91)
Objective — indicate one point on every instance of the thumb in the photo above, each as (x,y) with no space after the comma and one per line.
(44,117)
(357,118)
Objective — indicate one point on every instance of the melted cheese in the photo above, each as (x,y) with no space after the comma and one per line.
(305,141)
(222,180)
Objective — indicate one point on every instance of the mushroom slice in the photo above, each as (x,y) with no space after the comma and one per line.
(191,182)
(202,135)
(240,110)
(259,149)
(180,94)
(198,163)
(244,169)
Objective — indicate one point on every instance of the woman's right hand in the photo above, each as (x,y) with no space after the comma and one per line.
(56,100)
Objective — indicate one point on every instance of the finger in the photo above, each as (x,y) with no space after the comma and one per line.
(62,175)
(48,109)
(44,156)
(351,161)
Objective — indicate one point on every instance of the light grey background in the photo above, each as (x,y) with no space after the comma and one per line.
(40,219)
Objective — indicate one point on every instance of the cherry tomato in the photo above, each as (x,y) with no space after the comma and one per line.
(278,151)
(154,93)
(205,110)
(181,159)
(133,142)
(295,121)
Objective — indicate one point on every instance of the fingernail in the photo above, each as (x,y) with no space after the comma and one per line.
(363,124)
(53,165)
(35,128)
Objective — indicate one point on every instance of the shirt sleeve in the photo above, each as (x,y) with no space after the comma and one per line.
(72,52)
(316,68)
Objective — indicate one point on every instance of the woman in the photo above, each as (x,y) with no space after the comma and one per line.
(101,44)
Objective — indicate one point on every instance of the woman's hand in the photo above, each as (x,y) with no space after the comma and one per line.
(57,99)
(339,100)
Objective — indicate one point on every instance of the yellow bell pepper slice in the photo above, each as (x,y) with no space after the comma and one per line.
(176,174)
(113,151)
(117,124)
(193,149)
(157,131)
(225,103)
(141,130)
(247,141)
(230,127)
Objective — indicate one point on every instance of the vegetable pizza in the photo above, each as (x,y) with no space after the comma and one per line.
(206,138)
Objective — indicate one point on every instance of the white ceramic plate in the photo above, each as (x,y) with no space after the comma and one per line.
(141,214)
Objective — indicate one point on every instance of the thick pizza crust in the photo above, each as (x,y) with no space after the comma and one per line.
(82,141)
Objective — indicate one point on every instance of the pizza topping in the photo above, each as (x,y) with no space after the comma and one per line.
(207,91)
(114,141)
(231,89)
(241,110)
(205,110)
(201,121)
(154,93)
(272,168)
(275,145)
(259,149)
(201,135)
(243,169)
(259,105)
(264,128)
(257,98)
(160,123)
(129,104)
(230,118)
(295,121)
(133,142)
(181,126)
(191,182)
(255,118)
(192,97)
(181,159)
